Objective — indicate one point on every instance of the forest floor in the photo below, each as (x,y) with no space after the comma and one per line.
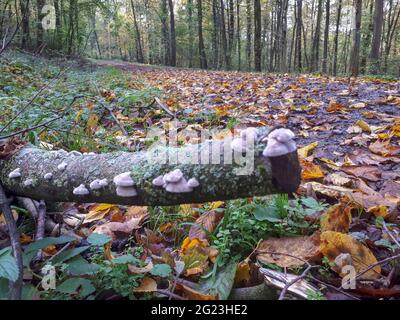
(345,213)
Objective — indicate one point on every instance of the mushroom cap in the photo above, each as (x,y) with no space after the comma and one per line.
(239,145)
(275,148)
(48,176)
(282,135)
(193,183)
(75,153)
(80,191)
(15,173)
(249,133)
(96,184)
(62,166)
(178,187)
(103,182)
(173,176)
(124,180)
(158,182)
(28,182)
(126,191)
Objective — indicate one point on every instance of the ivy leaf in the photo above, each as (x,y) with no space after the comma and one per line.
(8,265)
(161,270)
(98,239)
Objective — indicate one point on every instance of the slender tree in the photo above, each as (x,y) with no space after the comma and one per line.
(257,35)
(202,50)
(172,34)
(355,48)
(336,38)
(376,37)
(326,37)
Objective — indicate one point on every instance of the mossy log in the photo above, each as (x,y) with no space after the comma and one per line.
(54,175)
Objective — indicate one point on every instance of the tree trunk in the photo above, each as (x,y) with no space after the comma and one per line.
(211,163)
(355,49)
(257,35)
(39,30)
(299,22)
(326,37)
(25,37)
(165,31)
(336,39)
(190,28)
(248,33)
(376,37)
(202,50)
(224,38)
(172,34)
(316,40)
(238,33)
(139,48)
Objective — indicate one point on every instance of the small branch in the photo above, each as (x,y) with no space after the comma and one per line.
(170,294)
(381,262)
(110,111)
(41,222)
(15,287)
(158,101)
(390,234)
(290,283)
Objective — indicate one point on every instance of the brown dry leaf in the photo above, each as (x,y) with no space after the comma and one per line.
(136,270)
(147,285)
(337,218)
(193,294)
(334,106)
(98,212)
(374,202)
(25,239)
(136,212)
(379,211)
(334,243)
(371,173)
(330,191)
(384,148)
(10,147)
(310,170)
(306,248)
(205,223)
(363,125)
(304,151)
(118,229)
(338,180)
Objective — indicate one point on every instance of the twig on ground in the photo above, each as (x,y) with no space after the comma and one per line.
(170,294)
(390,234)
(16,286)
(381,262)
(41,222)
(110,111)
(162,106)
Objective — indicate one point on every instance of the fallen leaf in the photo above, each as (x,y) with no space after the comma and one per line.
(310,170)
(304,151)
(305,248)
(334,243)
(336,218)
(98,212)
(147,285)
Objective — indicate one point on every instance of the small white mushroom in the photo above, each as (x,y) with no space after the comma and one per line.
(104,182)
(178,187)
(238,145)
(279,143)
(62,166)
(91,154)
(249,133)
(28,182)
(15,174)
(124,180)
(158,182)
(193,183)
(48,176)
(80,191)
(98,184)
(173,176)
(75,153)
(126,191)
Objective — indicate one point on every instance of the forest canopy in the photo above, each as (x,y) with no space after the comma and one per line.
(331,36)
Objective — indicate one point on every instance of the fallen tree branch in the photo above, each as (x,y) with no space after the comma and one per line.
(56,175)
(15,287)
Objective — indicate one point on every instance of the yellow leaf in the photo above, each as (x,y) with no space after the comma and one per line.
(15,216)
(216,204)
(310,171)
(335,243)
(98,212)
(379,211)
(336,218)
(304,152)
(363,125)
(92,121)
(78,115)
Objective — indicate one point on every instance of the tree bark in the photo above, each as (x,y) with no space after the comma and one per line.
(172,34)
(257,35)
(165,32)
(316,40)
(248,33)
(326,37)
(218,177)
(299,23)
(139,49)
(376,37)
(355,50)
(336,39)
(202,50)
